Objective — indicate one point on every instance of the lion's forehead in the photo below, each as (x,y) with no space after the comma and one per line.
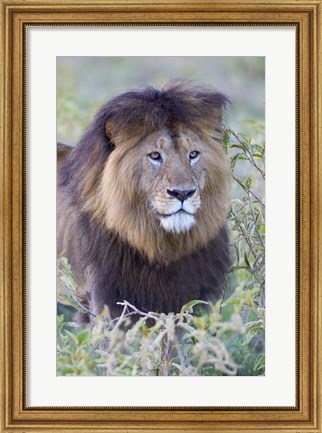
(172,139)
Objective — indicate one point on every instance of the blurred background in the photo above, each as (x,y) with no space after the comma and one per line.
(85,83)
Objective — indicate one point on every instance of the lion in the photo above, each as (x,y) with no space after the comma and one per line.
(143,200)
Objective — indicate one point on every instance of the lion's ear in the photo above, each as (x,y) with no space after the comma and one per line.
(114,133)
(218,103)
(118,135)
(110,129)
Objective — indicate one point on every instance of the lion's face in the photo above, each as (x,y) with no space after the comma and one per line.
(158,175)
(175,184)
(176,180)
(173,174)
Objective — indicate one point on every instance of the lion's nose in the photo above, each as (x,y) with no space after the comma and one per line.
(181,194)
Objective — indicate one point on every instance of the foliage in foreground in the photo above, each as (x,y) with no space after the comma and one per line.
(203,339)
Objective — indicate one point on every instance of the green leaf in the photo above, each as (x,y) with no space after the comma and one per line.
(72,337)
(226,137)
(239,146)
(65,370)
(81,336)
(192,304)
(261,228)
(232,301)
(249,182)
(246,261)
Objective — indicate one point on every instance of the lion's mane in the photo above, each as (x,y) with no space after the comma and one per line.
(116,252)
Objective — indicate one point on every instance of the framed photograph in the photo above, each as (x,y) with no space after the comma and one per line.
(160,216)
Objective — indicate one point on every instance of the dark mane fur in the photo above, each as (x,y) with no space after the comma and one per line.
(121,273)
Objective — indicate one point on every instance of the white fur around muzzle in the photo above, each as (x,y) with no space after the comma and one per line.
(179,223)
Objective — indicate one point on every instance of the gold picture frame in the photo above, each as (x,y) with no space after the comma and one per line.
(15,415)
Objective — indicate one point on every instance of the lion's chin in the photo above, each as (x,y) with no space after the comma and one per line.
(179,222)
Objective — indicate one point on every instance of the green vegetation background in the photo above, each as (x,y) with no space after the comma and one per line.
(231,339)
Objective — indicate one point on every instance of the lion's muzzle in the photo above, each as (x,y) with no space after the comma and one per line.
(176,211)
(181,194)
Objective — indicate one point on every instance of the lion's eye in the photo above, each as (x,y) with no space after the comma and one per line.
(156,156)
(194,154)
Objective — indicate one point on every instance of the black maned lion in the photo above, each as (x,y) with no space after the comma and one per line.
(143,199)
